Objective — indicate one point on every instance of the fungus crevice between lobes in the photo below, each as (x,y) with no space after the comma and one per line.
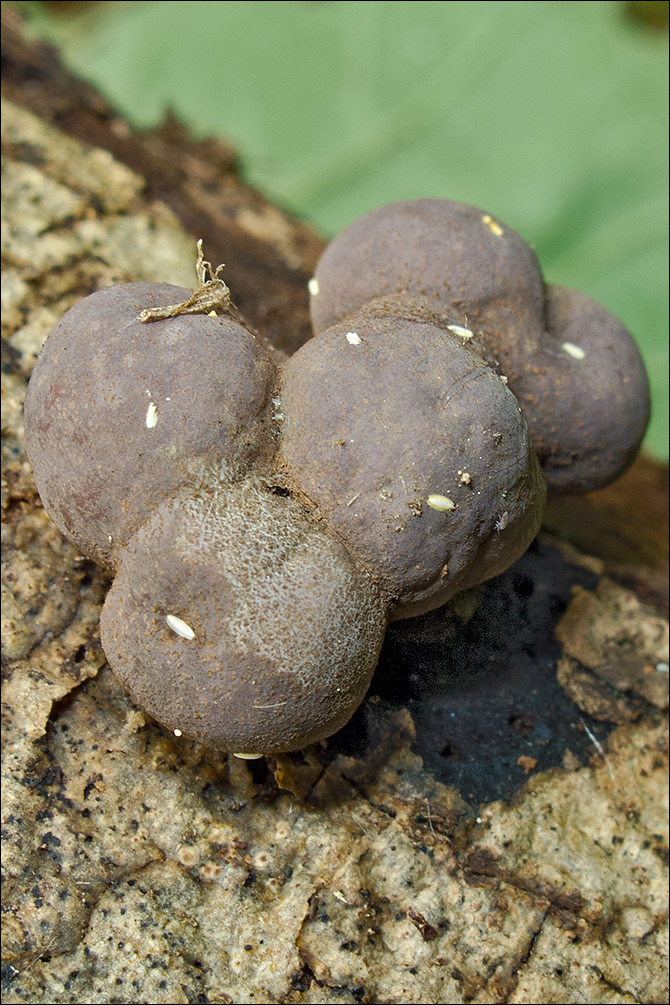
(274,520)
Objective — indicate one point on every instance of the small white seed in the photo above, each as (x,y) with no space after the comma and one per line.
(353,338)
(575,351)
(460,331)
(152,416)
(177,732)
(313,287)
(249,757)
(494,227)
(179,627)
(441,503)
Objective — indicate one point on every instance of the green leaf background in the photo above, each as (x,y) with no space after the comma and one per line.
(552,116)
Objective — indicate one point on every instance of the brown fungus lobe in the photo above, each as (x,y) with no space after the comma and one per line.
(426,409)
(587,412)
(119,414)
(286,628)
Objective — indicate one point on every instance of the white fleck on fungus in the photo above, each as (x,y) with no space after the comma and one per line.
(502,522)
(353,338)
(313,287)
(152,416)
(575,351)
(460,331)
(179,627)
(494,227)
(441,503)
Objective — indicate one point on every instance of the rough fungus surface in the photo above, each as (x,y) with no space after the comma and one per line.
(569,361)
(140,867)
(385,467)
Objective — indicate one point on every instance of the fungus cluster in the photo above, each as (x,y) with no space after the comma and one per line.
(265,524)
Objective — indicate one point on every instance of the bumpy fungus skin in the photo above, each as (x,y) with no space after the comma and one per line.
(571,363)
(287,629)
(264,526)
(450,428)
(100,470)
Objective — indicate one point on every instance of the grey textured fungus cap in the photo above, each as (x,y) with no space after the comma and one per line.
(236,619)
(452,254)
(119,414)
(599,392)
(384,419)
(587,405)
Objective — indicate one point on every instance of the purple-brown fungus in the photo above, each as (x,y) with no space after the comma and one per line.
(120,414)
(265,524)
(573,366)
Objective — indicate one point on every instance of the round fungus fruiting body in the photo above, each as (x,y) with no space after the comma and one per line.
(586,413)
(119,413)
(278,630)
(443,251)
(595,377)
(426,409)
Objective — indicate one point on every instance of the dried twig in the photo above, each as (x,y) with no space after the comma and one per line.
(212,294)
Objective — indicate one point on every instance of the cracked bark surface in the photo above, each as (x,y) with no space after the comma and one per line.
(419,856)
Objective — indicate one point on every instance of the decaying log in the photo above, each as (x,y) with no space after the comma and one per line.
(491,826)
